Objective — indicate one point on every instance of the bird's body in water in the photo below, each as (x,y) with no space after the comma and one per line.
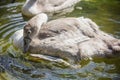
(67,38)
(34,7)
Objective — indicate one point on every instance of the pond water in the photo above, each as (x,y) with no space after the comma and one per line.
(106,13)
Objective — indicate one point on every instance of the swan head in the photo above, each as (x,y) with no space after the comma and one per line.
(32,28)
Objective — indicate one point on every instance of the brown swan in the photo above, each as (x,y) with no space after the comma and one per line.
(66,38)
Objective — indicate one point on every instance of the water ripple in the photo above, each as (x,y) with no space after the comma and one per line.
(11,20)
(115,21)
(9,23)
(11,5)
(10,27)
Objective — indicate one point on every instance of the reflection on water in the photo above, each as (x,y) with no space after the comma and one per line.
(105,13)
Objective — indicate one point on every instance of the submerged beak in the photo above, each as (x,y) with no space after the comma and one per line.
(12,1)
(27,41)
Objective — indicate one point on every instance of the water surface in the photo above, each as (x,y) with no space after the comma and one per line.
(106,13)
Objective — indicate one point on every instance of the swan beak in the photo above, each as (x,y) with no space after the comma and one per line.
(27,41)
(12,1)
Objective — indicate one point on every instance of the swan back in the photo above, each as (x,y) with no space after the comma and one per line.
(78,38)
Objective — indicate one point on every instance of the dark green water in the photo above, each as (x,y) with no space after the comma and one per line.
(106,13)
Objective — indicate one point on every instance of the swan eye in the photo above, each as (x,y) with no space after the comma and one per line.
(29,32)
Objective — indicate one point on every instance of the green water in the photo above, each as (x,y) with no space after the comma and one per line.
(106,13)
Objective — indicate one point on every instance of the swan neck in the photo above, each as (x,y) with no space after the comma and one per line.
(41,19)
(38,21)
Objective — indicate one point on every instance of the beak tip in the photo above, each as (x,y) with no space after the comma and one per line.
(25,50)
